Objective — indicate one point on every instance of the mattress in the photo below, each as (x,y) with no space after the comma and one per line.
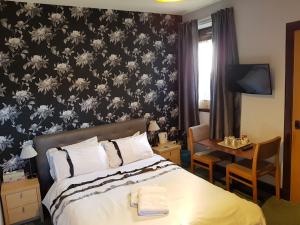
(103,198)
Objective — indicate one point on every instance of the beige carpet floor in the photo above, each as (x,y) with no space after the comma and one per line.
(281,212)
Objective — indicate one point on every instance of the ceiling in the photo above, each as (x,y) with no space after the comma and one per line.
(176,8)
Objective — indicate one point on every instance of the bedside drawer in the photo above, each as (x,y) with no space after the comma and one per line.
(21,198)
(23,213)
(175,156)
(166,155)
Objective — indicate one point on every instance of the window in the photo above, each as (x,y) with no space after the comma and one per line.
(205,51)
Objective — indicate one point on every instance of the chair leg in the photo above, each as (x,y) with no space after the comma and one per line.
(254,191)
(277,182)
(227,180)
(210,171)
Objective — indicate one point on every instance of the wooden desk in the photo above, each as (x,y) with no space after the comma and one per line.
(213,145)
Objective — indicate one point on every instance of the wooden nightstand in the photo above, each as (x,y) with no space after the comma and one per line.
(169,151)
(21,201)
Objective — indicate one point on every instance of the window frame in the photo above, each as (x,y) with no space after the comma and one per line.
(204,109)
(205,34)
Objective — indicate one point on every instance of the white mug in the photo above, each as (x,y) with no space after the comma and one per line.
(163,138)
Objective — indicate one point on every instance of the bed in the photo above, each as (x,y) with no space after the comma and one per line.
(102,197)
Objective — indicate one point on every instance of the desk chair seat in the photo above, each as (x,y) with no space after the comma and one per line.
(205,159)
(209,156)
(244,167)
(248,171)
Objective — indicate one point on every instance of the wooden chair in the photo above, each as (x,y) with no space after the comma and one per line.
(247,171)
(205,159)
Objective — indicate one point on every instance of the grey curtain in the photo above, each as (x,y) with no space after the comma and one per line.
(225,106)
(188,75)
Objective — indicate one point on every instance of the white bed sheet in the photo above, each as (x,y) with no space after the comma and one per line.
(191,200)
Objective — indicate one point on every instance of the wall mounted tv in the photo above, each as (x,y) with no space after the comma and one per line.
(250,79)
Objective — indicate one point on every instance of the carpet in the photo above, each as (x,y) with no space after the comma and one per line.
(281,212)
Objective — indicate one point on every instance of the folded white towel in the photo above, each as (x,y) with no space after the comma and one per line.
(152,201)
(134,197)
(134,194)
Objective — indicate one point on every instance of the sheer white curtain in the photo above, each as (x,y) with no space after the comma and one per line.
(205,50)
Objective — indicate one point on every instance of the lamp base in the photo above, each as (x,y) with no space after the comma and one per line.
(30,175)
(155,140)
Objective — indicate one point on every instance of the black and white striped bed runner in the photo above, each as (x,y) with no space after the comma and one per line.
(103,184)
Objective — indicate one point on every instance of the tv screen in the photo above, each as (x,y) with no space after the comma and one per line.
(250,78)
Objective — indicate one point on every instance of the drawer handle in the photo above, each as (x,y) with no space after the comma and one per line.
(21,195)
(23,209)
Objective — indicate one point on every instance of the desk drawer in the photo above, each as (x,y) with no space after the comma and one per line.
(21,198)
(23,213)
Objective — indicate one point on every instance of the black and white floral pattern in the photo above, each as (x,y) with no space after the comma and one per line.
(63,68)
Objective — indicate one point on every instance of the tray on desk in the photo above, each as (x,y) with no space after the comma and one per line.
(239,146)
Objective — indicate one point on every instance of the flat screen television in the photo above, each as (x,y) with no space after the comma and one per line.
(250,79)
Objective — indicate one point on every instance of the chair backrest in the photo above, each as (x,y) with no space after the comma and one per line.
(266,150)
(197,133)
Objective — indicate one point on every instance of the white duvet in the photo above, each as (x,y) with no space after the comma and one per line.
(103,198)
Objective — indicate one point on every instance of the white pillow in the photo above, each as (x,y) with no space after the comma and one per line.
(134,148)
(87,157)
(61,167)
(136,133)
(49,154)
(58,159)
(112,153)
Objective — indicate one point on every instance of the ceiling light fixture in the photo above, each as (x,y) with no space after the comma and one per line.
(164,1)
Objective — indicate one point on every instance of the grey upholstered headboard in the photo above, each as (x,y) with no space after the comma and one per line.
(103,132)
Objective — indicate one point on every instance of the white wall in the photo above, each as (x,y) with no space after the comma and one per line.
(261,29)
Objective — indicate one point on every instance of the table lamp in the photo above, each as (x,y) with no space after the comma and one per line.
(28,152)
(153,127)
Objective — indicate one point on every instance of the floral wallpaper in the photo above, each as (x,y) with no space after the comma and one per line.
(64,68)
